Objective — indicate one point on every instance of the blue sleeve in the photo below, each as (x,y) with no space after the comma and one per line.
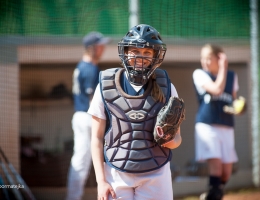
(90,79)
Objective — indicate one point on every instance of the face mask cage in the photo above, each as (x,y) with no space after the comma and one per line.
(139,75)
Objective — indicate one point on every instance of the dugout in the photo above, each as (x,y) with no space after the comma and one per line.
(33,68)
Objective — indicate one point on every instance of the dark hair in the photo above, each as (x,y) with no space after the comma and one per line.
(157,92)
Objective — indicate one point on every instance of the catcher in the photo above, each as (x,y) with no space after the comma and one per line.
(124,112)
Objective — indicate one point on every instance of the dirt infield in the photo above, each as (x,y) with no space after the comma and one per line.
(244,194)
(45,193)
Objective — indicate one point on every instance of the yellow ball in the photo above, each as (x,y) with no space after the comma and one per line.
(239,105)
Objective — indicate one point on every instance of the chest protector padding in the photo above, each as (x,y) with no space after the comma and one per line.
(129,143)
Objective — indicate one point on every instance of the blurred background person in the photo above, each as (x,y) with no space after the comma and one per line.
(85,80)
(216,86)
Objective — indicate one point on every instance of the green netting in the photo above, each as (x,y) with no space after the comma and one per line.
(198,18)
(67,17)
(186,18)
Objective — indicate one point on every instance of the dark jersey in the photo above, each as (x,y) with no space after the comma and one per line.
(85,80)
(211,107)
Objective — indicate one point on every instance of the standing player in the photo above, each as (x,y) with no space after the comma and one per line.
(124,110)
(216,87)
(85,80)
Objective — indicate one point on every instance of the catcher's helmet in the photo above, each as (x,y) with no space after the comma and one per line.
(141,36)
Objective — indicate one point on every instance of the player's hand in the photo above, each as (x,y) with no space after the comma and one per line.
(104,189)
(222,61)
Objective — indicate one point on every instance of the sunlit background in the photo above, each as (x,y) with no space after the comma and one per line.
(41,43)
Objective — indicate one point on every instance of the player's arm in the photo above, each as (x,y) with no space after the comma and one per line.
(234,94)
(98,131)
(235,87)
(173,144)
(217,87)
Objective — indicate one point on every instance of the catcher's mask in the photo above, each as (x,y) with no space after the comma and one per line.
(141,36)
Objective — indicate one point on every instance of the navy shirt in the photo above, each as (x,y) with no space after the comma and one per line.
(211,107)
(85,80)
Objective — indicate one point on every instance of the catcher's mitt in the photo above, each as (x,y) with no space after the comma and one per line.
(238,106)
(169,120)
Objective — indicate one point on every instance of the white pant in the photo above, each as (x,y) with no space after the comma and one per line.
(81,159)
(154,185)
(214,141)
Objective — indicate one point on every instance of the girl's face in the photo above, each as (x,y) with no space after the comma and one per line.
(209,61)
(136,55)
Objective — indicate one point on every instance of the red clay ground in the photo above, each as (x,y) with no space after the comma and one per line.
(245,194)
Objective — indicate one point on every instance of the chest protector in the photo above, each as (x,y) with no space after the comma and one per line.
(211,107)
(129,144)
